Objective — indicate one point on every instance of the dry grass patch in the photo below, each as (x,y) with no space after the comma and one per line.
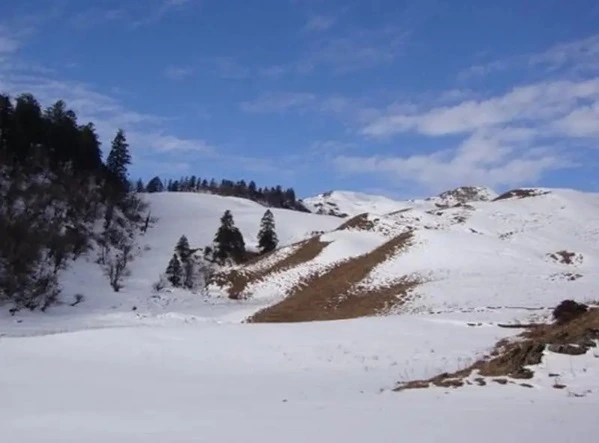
(329,296)
(238,279)
(511,358)
(566,257)
(520,193)
(359,223)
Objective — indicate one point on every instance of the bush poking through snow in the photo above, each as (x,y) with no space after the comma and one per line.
(568,310)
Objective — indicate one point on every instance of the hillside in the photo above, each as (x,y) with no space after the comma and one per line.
(176,365)
(510,252)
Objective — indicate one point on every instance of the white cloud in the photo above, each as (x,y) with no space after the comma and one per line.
(508,139)
(165,143)
(273,102)
(532,103)
(582,122)
(490,159)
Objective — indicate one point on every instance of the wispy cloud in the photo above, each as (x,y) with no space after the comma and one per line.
(90,18)
(537,103)
(578,56)
(507,139)
(158,11)
(358,49)
(177,72)
(484,158)
(273,102)
(8,44)
(318,23)
(229,68)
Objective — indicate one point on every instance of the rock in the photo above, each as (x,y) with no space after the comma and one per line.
(567,349)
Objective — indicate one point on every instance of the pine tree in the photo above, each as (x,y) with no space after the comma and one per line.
(267,237)
(155,185)
(119,157)
(229,243)
(183,249)
(174,271)
(139,186)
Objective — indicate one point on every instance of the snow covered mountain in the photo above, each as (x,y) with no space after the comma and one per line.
(442,254)
(432,280)
(347,203)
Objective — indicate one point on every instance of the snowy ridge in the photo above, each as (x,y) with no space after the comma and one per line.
(347,204)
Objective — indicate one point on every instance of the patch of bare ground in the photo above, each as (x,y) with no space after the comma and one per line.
(510,358)
(333,295)
(359,223)
(238,279)
(567,276)
(520,193)
(565,257)
(401,211)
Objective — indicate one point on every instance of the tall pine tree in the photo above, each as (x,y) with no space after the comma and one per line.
(229,243)
(183,249)
(119,158)
(267,237)
(174,271)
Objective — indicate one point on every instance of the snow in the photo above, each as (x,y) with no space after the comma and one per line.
(181,367)
(351,203)
(266,383)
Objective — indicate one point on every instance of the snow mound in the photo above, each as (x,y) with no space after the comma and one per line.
(347,204)
(465,194)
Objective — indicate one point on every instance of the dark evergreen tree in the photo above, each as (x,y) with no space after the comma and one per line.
(119,158)
(7,126)
(139,186)
(155,185)
(229,243)
(183,249)
(174,271)
(267,237)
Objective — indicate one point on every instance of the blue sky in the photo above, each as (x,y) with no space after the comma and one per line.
(400,97)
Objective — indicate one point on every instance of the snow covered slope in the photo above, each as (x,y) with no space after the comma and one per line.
(515,252)
(175,366)
(195,215)
(347,203)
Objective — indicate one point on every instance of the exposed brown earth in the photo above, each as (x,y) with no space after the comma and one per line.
(566,257)
(239,279)
(520,193)
(509,358)
(359,222)
(333,296)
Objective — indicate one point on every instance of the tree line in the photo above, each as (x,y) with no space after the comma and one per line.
(275,197)
(55,190)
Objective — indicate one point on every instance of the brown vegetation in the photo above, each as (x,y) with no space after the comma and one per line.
(359,222)
(510,358)
(566,257)
(333,295)
(520,193)
(239,279)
